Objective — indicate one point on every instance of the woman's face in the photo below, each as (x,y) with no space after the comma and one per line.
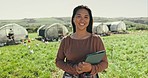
(81,19)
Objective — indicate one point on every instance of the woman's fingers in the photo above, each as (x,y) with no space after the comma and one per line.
(79,70)
(85,67)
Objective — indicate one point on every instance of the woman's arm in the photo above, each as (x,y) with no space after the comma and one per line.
(70,68)
(104,63)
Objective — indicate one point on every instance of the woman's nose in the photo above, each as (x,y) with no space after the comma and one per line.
(82,19)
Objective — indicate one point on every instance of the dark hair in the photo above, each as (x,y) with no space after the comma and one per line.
(89,27)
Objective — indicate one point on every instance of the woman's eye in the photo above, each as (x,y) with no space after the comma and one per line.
(78,16)
(86,17)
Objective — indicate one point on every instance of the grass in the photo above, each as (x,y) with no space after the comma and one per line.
(127,56)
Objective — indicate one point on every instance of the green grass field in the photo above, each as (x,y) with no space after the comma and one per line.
(127,56)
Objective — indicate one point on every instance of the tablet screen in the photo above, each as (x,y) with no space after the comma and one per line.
(95,58)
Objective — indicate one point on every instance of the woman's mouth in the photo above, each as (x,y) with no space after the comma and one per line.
(82,24)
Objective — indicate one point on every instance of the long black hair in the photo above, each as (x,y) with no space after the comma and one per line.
(89,27)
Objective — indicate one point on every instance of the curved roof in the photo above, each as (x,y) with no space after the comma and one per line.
(19,32)
(53,30)
(100,28)
(116,23)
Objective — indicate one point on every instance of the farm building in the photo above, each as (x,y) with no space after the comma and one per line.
(41,30)
(51,32)
(13,32)
(116,26)
(100,28)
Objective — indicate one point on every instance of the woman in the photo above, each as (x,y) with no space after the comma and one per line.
(74,48)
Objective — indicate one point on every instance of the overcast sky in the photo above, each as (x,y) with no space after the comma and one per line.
(19,9)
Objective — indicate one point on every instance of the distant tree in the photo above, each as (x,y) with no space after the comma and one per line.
(29,20)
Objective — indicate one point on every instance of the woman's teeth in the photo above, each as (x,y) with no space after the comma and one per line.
(81,23)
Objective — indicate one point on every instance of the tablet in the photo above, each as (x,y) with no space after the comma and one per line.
(95,57)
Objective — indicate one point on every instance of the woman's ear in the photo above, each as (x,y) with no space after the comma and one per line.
(73,20)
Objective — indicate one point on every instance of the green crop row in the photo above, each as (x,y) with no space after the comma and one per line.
(127,57)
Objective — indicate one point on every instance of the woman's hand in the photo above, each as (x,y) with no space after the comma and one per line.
(79,70)
(84,67)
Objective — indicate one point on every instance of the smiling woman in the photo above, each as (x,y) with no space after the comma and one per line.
(75,47)
(81,20)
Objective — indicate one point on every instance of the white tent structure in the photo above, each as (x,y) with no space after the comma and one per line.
(41,30)
(117,26)
(53,31)
(19,32)
(100,28)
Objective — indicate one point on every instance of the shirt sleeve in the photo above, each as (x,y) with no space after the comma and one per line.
(60,60)
(104,63)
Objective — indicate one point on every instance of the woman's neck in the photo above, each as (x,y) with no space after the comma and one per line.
(81,35)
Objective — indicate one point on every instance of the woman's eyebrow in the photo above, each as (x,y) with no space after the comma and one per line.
(78,14)
(86,15)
